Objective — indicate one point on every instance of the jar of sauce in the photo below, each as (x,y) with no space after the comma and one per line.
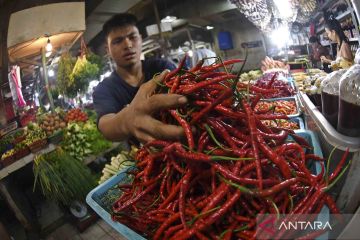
(330,96)
(349,103)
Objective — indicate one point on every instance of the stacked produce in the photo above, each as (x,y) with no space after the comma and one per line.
(250,76)
(271,65)
(61,177)
(228,171)
(35,135)
(119,162)
(81,140)
(76,115)
(287,107)
(281,123)
(7,154)
(310,82)
(95,138)
(284,89)
(76,142)
(51,123)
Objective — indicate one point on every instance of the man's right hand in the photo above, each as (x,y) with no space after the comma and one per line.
(137,118)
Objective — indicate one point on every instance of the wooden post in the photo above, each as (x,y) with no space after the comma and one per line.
(43,58)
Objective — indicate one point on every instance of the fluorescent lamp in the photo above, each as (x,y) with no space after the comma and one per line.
(280,36)
(51,73)
(168,19)
(284,8)
(49,46)
(209,27)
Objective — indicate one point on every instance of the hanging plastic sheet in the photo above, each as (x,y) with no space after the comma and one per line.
(15,86)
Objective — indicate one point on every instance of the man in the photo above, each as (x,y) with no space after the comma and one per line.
(125,101)
(317,51)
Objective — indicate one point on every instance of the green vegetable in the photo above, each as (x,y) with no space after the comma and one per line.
(83,72)
(61,177)
(65,68)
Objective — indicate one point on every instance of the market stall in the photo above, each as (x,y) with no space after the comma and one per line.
(270,136)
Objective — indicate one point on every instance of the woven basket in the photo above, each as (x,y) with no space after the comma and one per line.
(8,161)
(38,145)
(22,153)
(18,139)
(57,137)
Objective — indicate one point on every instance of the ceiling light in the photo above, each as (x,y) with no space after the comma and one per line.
(51,73)
(168,19)
(209,27)
(49,46)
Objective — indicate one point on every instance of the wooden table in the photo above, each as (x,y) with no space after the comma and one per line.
(14,202)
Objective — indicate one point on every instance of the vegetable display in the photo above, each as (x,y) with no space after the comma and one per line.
(76,115)
(309,82)
(61,177)
(95,138)
(119,162)
(35,133)
(65,68)
(281,123)
(8,154)
(283,88)
(269,64)
(81,140)
(52,123)
(287,107)
(82,73)
(231,169)
(76,142)
(250,76)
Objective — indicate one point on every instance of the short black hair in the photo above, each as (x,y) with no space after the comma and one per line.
(119,20)
(313,39)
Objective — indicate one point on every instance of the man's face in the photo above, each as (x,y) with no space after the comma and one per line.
(124,45)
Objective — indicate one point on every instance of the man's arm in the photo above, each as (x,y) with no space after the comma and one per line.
(136,119)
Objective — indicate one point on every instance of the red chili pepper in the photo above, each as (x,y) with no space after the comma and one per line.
(253,136)
(175,71)
(339,166)
(208,108)
(175,84)
(203,84)
(185,125)
(117,208)
(183,191)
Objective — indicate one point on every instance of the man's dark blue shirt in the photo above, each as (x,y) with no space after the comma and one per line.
(113,93)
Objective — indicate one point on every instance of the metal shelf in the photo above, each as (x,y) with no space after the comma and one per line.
(345,14)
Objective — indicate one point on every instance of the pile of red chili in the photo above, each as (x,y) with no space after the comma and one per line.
(283,88)
(230,169)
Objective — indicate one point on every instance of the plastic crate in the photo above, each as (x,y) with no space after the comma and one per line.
(294,98)
(97,202)
(300,122)
(315,167)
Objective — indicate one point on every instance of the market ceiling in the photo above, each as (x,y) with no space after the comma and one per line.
(200,12)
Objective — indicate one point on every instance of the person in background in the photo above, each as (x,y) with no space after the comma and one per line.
(204,53)
(317,50)
(124,101)
(336,34)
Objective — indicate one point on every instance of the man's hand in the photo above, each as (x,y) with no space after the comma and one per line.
(324,59)
(137,119)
